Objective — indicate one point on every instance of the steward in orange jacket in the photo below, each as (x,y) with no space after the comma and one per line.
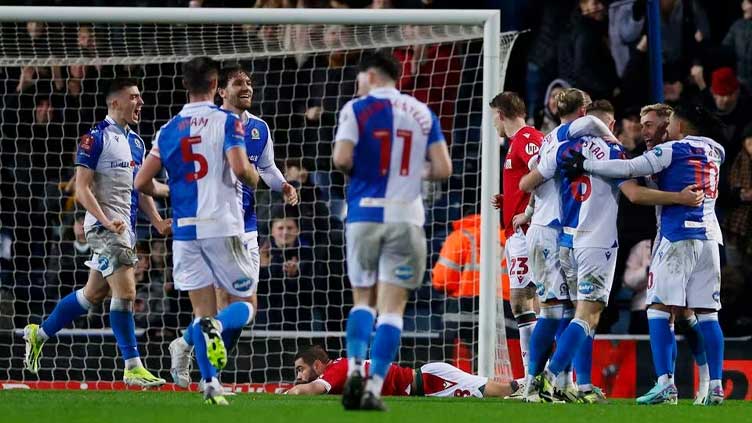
(457,272)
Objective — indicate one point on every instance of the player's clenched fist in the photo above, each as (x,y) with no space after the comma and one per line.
(116,226)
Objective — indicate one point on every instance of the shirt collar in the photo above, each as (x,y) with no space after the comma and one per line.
(199,103)
(126,130)
(384,91)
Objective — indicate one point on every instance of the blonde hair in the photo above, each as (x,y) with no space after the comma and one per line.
(570,100)
(660,109)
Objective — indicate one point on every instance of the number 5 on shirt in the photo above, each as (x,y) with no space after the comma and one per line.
(186,149)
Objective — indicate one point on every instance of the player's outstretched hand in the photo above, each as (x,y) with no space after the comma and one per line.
(574,165)
(116,226)
(497,201)
(164,227)
(290,193)
(691,196)
(519,220)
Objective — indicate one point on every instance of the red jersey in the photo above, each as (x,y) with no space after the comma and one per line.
(397,382)
(523,146)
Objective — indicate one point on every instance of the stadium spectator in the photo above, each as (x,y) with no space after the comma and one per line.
(738,221)
(731,102)
(286,299)
(592,67)
(623,33)
(548,118)
(72,252)
(431,74)
(738,40)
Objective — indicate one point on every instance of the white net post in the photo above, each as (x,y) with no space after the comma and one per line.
(300,83)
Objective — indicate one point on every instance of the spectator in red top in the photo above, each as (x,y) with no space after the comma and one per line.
(431,74)
(317,374)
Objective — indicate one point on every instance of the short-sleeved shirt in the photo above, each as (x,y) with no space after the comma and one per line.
(397,382)
(523,147)
(392,133)
(115,154)
(206,195)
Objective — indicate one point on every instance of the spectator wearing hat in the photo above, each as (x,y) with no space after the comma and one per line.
(731,103)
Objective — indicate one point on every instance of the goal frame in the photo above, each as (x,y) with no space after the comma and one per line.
(492,83)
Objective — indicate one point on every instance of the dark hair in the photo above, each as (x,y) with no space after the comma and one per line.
(198,73)
(700,121)
(313,353)
(510,104)
(119,84)
(603,106)
(228,72)
(382,62)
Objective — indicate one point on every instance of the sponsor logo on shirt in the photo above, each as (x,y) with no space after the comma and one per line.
(122,163)
(508,164)
(531,149)
(657,151)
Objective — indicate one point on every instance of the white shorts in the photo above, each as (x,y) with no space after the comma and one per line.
(393,253)
(686,273)
(591,270)
(445,380)
(543,249)
(518,267)
(221,262)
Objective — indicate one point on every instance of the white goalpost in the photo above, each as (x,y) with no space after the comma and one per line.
(56,61)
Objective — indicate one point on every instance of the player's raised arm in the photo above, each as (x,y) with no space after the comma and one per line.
(691,195)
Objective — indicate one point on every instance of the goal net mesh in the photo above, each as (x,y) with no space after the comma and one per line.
(54,76)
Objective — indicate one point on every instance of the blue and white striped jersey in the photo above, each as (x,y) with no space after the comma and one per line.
(115,154)
(677,164)
(206,195)
(392,133)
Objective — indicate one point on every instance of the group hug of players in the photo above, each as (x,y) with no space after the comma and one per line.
(561,246)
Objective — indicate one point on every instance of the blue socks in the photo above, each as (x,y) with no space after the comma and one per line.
(583,363)
(358,336)
(542,338)
(199,343)
(123,326)
(66,311)
(568,345)
(230,317)
(233,318)
(661,344)
(384,350)
(674,350)
(690,328)
(713,337)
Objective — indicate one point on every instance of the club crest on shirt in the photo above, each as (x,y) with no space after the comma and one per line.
(87,141)
(255,134)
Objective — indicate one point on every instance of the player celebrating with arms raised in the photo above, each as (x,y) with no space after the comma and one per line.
(203,150)
(382,141)
(236,92)
(108,158)
(685,270)
(524,143)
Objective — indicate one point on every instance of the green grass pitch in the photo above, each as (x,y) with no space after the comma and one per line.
(182,407)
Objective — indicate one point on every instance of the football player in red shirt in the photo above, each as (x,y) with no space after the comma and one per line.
(524,143)
(317,374)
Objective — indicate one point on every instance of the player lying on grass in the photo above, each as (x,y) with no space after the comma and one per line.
(317,374)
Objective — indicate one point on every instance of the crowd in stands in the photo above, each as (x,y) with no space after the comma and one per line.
(596,45)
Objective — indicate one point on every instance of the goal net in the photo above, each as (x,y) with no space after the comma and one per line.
(54,77)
